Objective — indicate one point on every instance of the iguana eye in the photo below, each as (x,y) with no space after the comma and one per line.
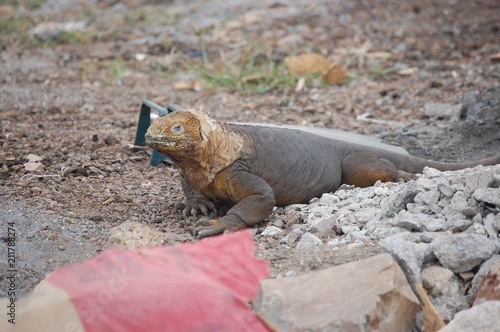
(177,128)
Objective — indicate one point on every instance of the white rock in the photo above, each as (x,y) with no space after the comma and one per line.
(462,252)
(308,241)
(480,318)
(272,231)
(33,158)
(346,229)
(439,281)
(36,167)
(488,195)
(319,212)
(329,199)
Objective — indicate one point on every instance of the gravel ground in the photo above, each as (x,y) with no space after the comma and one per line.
(75,107)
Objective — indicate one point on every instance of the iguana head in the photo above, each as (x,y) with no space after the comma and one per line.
(175,133)
(197,144)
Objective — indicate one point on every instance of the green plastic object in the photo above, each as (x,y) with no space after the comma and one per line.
(145,121)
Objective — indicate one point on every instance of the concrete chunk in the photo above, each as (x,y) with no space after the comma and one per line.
(370,294)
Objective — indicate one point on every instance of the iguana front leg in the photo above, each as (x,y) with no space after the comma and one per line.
(195,201)
(254,202)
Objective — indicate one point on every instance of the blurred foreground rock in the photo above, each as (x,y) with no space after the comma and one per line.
(370,294)
(480,318)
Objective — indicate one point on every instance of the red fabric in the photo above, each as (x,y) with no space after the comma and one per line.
(204,286)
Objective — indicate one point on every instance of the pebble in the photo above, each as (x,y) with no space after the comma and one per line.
(272,231)
(308,242)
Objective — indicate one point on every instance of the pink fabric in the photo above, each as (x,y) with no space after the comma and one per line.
(204,286)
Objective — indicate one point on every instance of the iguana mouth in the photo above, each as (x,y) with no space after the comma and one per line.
(156,142)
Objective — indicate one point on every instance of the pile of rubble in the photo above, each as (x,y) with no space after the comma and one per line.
(442,230)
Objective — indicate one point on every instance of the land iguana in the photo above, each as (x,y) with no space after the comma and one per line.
(256,168)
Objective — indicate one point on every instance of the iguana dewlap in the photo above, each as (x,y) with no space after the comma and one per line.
(256,168)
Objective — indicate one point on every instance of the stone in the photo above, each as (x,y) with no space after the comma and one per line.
(448,305)
(399,199)
(429,197)
(488,195)
(370,294)
(356,236)
(476,228)
(439,281)
(479,179)
(324,224)
(308,241)
(495,259)
(36,167)
(33,158)
(442,111)
(490,225)
(481,107)
(272,231)
(479,318)
(462,252)
(134,235)
(459,204)
(290,238)
(409,255)
(347,229)
(488,288)
(319,212)
(329,199)
(458,222)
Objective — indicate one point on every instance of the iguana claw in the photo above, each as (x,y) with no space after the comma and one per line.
(210,227)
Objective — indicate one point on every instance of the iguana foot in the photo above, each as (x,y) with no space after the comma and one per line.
(205,227)
(194,206)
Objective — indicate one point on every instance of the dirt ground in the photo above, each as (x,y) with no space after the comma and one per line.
(74,103)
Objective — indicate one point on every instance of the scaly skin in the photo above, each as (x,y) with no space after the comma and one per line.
(256,168)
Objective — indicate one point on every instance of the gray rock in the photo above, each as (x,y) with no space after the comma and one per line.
(408,254)
(349,297)
(329,199)
(279,223)
(356,236)
(458,222)
(490,222)
(414,221)
(480,318)
(308,241)
(460,204)
(333,242)
(347,229)
(134,235)
(290,238)
(272,231)
(429,197)
(488,195)
(398,200)
(488,288)
(448,305)
(442,111)
(480,108)
(480,178)
(324,224)
(476,228)
(319,212)
(483,270)
(462,252)
(439,281)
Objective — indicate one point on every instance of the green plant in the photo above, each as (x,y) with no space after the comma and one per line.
(253,71)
